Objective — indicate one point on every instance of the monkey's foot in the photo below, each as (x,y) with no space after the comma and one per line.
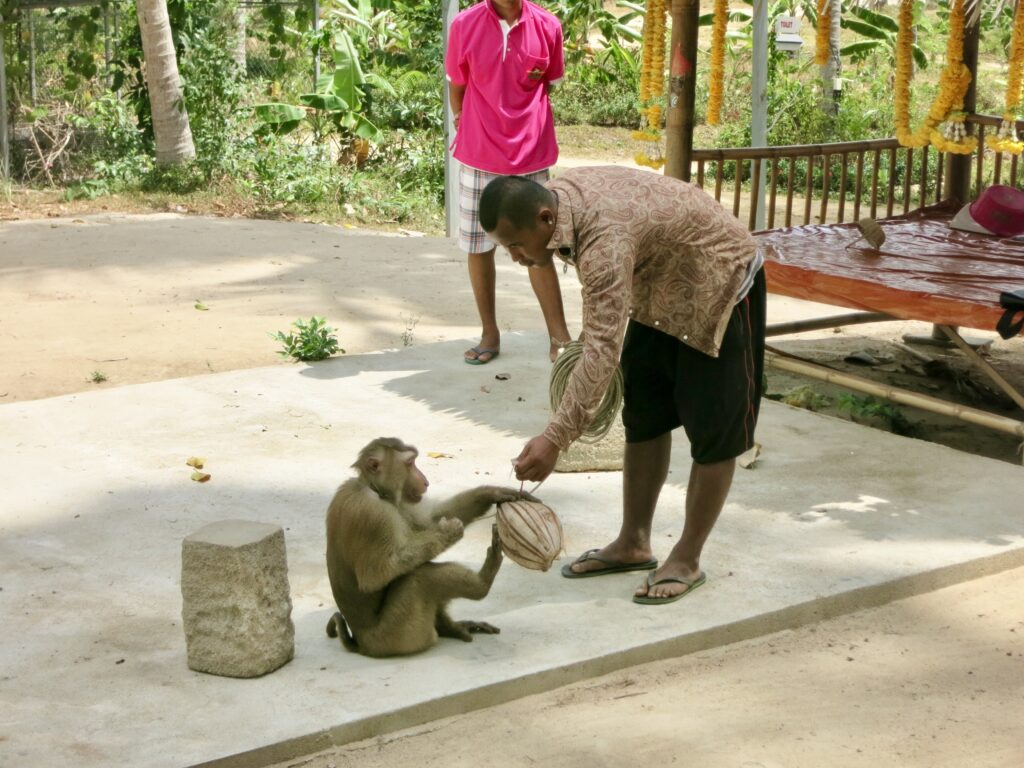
(478,627)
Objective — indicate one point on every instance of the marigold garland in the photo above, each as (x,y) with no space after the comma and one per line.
(716,72)
(652,85)
(822,49)
(953,83)
(1006,139)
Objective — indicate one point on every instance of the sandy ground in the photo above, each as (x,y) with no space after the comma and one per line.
(932,680)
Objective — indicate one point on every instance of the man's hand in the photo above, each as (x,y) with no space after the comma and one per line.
(537,460)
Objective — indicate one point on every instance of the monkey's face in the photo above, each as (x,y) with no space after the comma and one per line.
(416,483)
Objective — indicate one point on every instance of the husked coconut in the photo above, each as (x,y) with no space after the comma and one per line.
(530,533)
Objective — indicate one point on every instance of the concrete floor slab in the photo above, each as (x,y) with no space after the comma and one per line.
(97,499)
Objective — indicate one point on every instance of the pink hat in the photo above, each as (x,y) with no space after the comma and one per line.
(1000,210)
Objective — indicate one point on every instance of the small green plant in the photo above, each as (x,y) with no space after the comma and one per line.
(98,377)
(805,397)
(313,340)
(868,410)
(410,323)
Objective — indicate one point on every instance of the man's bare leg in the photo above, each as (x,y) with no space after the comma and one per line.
(644,471)
(482,278)
(545,286)
(705,496)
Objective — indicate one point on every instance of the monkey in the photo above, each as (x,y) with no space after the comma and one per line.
(392,600)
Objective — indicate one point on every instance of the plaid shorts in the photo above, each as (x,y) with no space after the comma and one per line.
(472,238)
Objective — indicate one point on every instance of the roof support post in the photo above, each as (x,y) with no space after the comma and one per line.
(682,90)
(958,167)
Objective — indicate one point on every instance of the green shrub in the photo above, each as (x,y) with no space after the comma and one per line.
(589,95)
(313,340)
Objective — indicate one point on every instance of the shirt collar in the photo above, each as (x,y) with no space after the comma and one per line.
(563,239)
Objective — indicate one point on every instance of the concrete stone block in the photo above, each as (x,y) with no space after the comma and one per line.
(602,456)
(236,602)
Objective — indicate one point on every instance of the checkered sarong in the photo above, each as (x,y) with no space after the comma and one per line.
(472,238)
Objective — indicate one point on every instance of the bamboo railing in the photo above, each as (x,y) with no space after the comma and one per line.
(844,181)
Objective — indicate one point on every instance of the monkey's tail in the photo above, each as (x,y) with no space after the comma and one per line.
(337,627)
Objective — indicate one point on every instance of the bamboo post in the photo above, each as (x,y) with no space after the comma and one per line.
(983,364)
(832,321)
(451,166)
(316,47)
(682,89)
(894,394)
(5,150)
(33,91)
(958,177)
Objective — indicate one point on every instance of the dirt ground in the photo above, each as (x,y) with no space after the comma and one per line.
(932,680)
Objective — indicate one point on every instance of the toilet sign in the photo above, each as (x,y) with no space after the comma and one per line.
(787,34)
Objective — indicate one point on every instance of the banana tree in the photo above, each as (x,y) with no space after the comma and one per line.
(338,106)
(878,33)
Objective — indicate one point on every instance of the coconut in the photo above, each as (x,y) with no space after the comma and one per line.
(530,533)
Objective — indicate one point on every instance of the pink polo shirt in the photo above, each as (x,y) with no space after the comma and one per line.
(506,124)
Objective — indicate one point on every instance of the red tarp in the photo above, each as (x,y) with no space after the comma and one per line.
(923,271)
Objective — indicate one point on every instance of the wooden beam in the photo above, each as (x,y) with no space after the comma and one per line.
(5,150)
(682,89)
(958,168)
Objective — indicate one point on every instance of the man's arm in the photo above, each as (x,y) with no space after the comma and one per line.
(607,276)
(456,93)
(556,67)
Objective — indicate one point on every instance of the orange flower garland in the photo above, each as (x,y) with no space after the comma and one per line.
(652,85)
(716,72)
(1006,139)
(953,83)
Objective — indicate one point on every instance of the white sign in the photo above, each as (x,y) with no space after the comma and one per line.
(787,34)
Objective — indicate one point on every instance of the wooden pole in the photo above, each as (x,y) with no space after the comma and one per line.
(894,394)
(5,150)
(316,48)
(682,88)
(958,168)
(451,166)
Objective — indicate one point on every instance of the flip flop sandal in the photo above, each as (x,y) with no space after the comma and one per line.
(690,586)
(612,566)
(481,351)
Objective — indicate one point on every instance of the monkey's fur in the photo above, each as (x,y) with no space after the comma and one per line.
(391,599)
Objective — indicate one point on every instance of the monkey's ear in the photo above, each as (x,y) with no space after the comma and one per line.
(372,465)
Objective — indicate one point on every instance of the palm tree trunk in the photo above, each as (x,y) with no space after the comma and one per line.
(170,118)
(239,38)
(830,71)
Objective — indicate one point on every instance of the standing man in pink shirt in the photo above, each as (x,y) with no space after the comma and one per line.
(503,58)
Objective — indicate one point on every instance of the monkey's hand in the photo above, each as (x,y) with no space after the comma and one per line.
(450,529)
(469,505)
(497,495)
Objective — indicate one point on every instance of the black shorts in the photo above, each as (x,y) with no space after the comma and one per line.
(715,399)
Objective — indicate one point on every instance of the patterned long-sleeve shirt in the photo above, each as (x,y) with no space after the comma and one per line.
(649,248)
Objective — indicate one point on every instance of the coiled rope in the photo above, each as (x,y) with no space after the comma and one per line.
(611,403)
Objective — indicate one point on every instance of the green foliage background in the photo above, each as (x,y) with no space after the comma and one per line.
(320,169)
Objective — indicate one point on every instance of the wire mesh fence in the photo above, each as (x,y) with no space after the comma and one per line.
(58,57)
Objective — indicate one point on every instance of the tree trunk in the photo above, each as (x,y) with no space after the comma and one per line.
(830,71)
(170,118)
(239,38)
